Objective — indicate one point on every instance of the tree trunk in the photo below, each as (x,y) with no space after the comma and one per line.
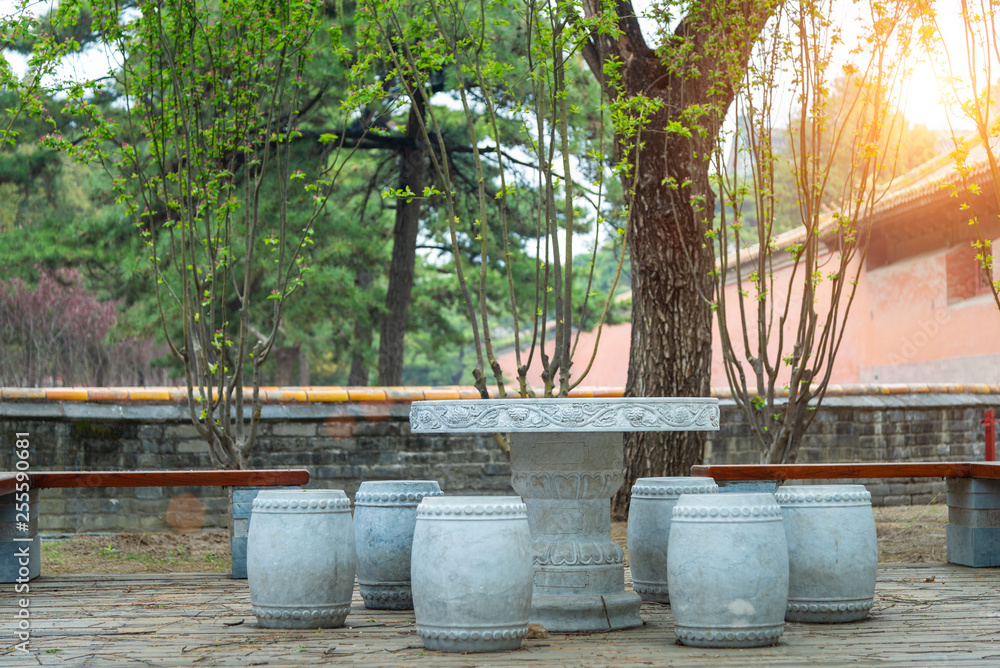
(284,364)
(671,353)
(303,367)
(358,375)
(362,338)
(413,174)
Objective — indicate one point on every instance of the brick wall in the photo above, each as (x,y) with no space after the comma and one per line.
(346,442)
(876,426)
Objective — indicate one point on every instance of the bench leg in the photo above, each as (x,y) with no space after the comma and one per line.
(973,529)
(747,486)
(20,544)
(242,501)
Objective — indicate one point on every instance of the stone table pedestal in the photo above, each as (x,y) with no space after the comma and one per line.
(566,463)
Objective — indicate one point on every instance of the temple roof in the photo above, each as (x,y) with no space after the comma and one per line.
(922,186)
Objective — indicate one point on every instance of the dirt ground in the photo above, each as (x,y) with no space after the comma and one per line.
(911,534)
(194,552)
(908,534)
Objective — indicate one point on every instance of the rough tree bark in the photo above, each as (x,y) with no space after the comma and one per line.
(285,358)
(413,174)
(363,335)
(671,353)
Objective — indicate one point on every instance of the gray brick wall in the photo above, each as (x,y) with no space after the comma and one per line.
(345,444)
(872,428)
(341,446)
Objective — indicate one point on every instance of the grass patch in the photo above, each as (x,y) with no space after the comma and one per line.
(195,552)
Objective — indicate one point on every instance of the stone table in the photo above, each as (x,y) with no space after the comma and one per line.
(566,463)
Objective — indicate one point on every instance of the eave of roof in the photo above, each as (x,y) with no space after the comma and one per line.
(917,187)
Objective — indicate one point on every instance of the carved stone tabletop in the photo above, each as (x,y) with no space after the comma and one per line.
(561,415)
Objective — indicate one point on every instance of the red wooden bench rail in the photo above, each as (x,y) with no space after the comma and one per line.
(14,567)
(986,470)
(849,471)
(222,478)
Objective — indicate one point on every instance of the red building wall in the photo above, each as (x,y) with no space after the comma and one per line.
(929,318)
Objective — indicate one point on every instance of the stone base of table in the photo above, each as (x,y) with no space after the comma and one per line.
(565,614)
(566,481)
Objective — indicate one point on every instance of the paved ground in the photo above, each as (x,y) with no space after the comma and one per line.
(924,615)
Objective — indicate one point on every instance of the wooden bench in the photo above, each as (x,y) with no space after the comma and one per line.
(20,544)
(973,531)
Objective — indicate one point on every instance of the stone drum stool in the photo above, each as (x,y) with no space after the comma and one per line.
(471,573)
(649,514)
(832,552)
(728,570)
(385,514)
(301,559)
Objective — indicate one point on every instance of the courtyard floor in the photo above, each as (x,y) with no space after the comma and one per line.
(929,614)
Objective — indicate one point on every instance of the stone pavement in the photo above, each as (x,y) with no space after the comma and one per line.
(924,615)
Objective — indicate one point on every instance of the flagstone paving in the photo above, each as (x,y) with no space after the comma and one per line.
(925,615)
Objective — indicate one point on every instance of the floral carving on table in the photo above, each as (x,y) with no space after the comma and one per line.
(630,414)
